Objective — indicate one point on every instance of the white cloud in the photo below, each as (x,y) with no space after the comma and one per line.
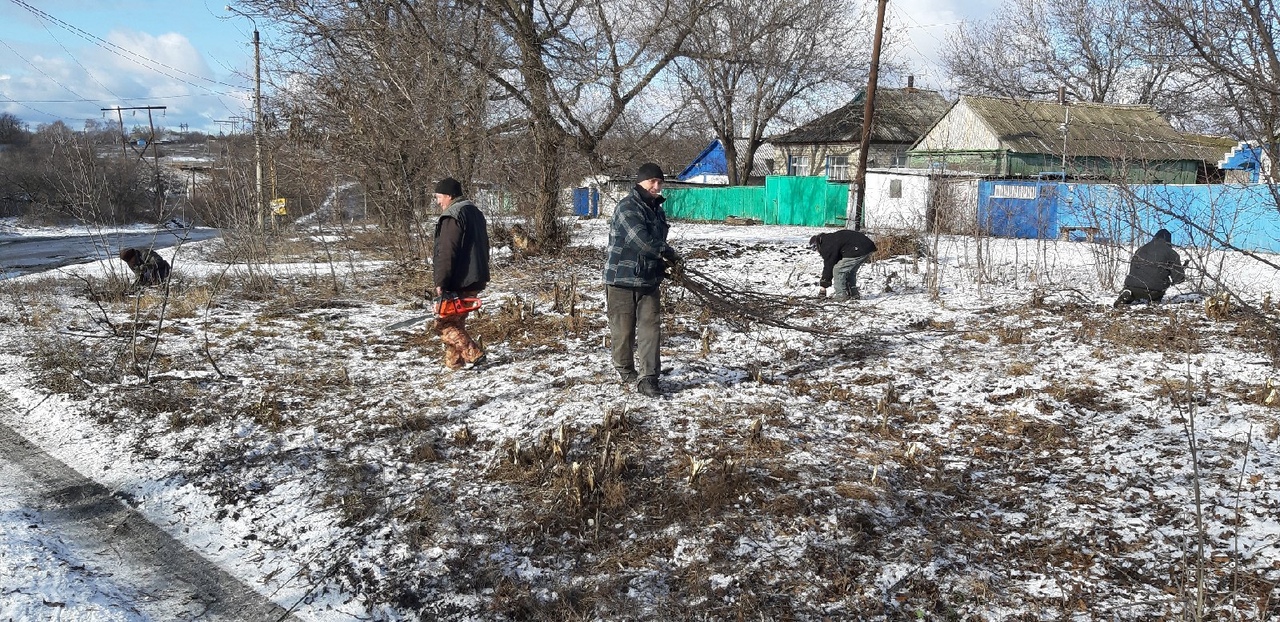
(156,52)
(918,31)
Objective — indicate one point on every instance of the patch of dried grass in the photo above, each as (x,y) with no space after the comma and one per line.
(900,245)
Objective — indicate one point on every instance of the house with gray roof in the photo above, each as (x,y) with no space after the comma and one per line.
(829,145)
(1013,138)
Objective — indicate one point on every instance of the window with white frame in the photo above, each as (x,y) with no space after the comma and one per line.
(798,165)
(1006,191)
(838,168)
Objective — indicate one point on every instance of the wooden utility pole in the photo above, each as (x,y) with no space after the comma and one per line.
(868,118)
(151,142)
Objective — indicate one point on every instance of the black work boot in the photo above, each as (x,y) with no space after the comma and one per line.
(1125,298)
(648,387)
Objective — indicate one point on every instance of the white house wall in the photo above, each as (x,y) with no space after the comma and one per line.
(959,129)
(955,197)
(895,214)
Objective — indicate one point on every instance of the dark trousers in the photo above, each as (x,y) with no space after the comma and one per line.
(635,328)
(1139,294)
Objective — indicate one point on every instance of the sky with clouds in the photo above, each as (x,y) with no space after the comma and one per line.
(68,59)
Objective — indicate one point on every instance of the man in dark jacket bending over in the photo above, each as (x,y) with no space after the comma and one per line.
(461,267)
(1154,267)
(635,262)
(147,265)
(843,252)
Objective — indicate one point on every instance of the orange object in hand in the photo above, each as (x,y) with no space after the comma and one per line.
(446,307)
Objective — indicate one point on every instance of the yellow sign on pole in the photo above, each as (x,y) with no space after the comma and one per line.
(279,206)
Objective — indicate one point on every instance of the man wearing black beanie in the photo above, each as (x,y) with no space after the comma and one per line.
(633,271)
(460,263)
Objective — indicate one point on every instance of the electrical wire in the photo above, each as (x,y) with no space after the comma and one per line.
(78,63)
(41,71)
(139,59)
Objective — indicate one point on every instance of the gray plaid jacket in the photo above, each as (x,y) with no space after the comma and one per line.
(637,239)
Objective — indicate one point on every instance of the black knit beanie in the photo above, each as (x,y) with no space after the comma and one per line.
(449,186)
(648,171)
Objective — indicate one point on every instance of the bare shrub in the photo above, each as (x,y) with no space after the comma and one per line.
(69,365)
(898,245)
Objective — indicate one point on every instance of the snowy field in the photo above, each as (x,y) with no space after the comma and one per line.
(981,438)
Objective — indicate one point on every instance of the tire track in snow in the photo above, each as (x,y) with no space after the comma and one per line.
(177,583)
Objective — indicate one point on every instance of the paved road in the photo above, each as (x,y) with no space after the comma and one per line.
(28,254)
(113,540)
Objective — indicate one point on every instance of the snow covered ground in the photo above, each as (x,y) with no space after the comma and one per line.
(982,437)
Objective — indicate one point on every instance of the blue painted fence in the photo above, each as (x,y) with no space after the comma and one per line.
(1245,217)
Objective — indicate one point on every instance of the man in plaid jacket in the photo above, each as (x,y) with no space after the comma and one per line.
(634,267)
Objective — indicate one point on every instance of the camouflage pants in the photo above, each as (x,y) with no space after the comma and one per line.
(459,349)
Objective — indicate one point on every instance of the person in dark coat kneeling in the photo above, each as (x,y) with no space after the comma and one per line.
(843,252)
(147,265)
(1154,267)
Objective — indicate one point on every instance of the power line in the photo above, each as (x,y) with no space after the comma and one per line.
(116,98)
(41,71)
(77,61)
(127,53)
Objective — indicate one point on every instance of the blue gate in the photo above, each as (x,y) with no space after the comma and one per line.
(586,202)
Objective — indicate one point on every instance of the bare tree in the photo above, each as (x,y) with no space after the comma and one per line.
(12,130)
(574,68)
(368,84)
(445,82)
(1231,47)
(1100,50)
(749,60)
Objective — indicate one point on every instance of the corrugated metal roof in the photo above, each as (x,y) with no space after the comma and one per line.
(1103,130)
(901,116)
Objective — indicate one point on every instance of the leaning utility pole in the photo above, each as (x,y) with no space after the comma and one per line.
(151,142)
(868,118)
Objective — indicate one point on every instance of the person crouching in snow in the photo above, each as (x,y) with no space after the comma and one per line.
(460,264)
(843,252)
(147,265)
(1154,267)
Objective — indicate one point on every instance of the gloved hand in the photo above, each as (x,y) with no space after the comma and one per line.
(674,262)
(445,303)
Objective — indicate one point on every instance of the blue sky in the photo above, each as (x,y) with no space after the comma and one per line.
(196,59)
(191,56)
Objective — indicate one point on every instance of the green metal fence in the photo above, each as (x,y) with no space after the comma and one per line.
(783,200)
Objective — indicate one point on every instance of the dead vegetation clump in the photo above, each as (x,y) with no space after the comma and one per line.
(1172,332)
(900,246)
(518,323)
(1086,398)
(72,366)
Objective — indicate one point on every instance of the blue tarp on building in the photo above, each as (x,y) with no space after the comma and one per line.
(710,162)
